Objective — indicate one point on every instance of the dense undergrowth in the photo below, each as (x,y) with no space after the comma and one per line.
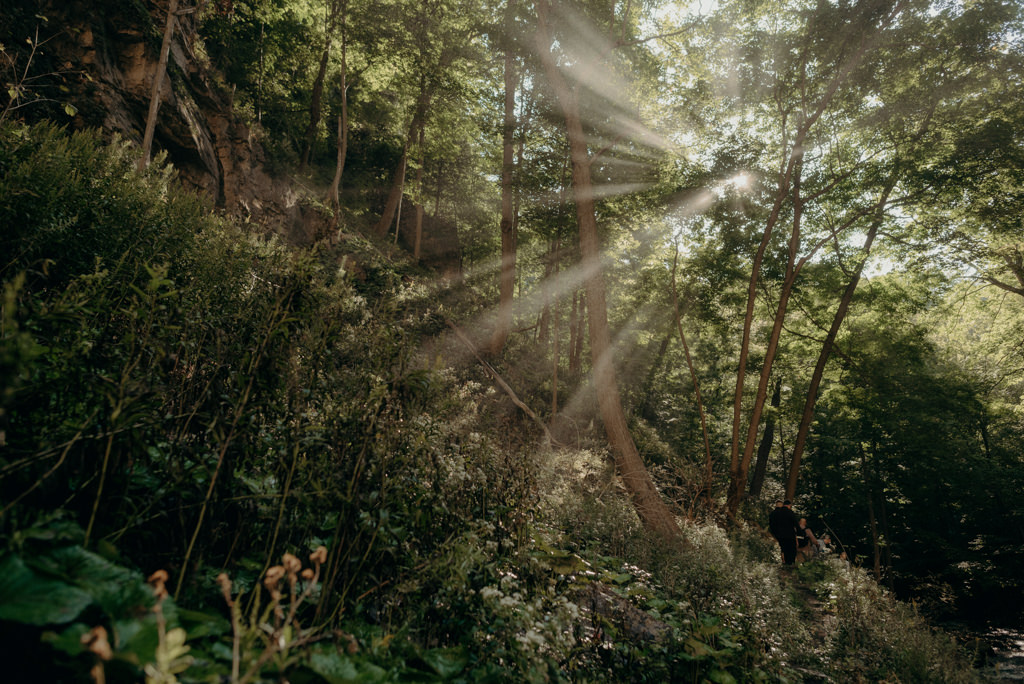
(224,459)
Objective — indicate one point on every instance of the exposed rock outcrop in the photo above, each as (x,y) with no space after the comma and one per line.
(107,64)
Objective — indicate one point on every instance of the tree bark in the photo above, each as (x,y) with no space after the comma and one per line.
(576,353)
(398,181)
(556,336)
(506,281)
(872,522)
(652,510)
(339,168)
(331,11)
(708,472)
(158,81)
(417,242)
(738,466)
(764,450)
(807,417)
(391,206)
(316,104)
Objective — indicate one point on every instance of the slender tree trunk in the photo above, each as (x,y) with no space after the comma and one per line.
(738,466)
(576,360)
(807,417)
(158,82)
(259,75)
(764,450)
(417,244)
(316,104)
(886,538)
(547,287)
(331,10)
(792,269)
(653,511)
(506,281)
(708,472)
(556,334)
(574,330)
(738,474)
(646,408)
(872,522)
(391,206)
(339,167)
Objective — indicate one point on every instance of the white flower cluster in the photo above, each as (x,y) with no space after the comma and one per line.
(543,622)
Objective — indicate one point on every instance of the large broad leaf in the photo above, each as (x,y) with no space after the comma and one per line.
(338,668)
(35,599)
(120,592)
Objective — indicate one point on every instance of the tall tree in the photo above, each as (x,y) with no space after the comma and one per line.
(158,82)
(801,101)
(503,321)
(333,9)
(653,511)
(342,138)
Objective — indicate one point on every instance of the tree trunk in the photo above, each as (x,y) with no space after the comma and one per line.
(738,474)
(574,331)
(339,167)
(872,522)
(708,471)
(807,417)
(158,81)
(792,270)
(576,353)
(391,206)
(764,450)
(556,336)
(398,182)
(653,511)
(738,466)
(506,281)
(331,12)
(316,104)
(417,243)
(544,321)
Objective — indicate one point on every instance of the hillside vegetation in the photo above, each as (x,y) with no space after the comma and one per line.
(181,395)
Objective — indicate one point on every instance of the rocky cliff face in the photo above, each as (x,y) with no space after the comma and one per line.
(107,60)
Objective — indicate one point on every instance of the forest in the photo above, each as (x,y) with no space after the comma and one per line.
(475,340)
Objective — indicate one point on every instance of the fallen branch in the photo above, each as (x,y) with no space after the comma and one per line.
(504,385)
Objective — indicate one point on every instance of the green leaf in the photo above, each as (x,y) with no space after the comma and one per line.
(69,641)
(31,598)
(338,668)
(70,109)
(698,648)
(446,662)
(721,677)
(119,591)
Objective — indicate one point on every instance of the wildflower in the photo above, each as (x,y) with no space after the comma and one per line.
(224,582)
(96,641)
(273,576)
(319,556)
(158,581)
(292,565)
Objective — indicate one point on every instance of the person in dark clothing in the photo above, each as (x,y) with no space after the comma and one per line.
(782,523)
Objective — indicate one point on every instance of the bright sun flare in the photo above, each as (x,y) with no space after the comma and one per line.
(741,181)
